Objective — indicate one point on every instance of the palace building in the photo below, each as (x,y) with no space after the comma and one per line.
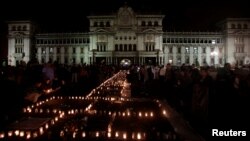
(138,38)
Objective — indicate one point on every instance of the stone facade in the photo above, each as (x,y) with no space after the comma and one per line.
(128,35)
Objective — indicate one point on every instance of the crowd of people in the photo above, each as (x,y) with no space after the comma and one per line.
(204,96)
(207,97)
(25,84)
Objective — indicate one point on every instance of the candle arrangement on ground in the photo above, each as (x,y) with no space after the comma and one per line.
(107,112)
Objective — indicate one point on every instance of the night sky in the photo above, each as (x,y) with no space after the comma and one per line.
(70,15)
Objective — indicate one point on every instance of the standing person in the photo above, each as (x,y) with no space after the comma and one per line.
(48,72)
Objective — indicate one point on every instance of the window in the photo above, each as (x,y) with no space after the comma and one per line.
(239,26)
(155,23)
(43,51)
(25,28)
(82,50)
(204,50)
(95,24)
(13,28)
(58,50)
(74,50)
(108,24)
(129,47)
(193,40)
(171,50)
(245,26)
(134,47)
(178,50)
(233,26)
(176,40)
(218,41)
(181,40)
(116,47)
(125,48)
(197,40)
(149,23)
(164,40)
(143,23)
(101,24)
(81,60)
(168,40)
(19,28)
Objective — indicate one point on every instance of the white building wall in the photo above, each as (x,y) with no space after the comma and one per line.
(26,49)
(11,52)
(229,50)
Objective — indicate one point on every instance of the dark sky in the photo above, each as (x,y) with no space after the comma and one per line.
(70,15)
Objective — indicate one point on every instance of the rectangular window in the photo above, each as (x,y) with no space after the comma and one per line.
(204,50)
(178,50)
(58,50)
(134,47)
(171,50)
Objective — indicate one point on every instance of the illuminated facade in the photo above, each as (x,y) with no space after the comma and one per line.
(128,35)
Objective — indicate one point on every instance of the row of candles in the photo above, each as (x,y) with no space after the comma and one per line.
(117,81)
(115,134)
(123,135)
(28,134)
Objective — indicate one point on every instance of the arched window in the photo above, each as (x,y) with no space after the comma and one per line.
(19,28)
(155,23)
(108,24)
(245,26)
(101,24)
(25,28)
(149,23)
(239,26)
(143,23)
(95,24)
(233,26)
(14,28)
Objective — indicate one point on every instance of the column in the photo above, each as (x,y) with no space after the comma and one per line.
(47,54)
(183,54)
(39,54)
(191,59)
(208,55)
(216,57)
(199,55)
(174,55)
